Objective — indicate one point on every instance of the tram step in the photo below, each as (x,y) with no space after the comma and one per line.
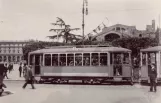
(75,81)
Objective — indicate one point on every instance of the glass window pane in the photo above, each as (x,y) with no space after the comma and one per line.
(103,59)
(144,58)
(117,58)
(151,58)
(62,60)
(86,59)
(31,59)
(95,59)
(78,59)
(126,58)
(70,59)
(47,60)
(111,58)
(54,59)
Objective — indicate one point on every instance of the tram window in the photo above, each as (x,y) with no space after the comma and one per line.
(47,60)
(151,58)
(126,58)
(117,70)
(70,59)
(54,59)
(78,59)
(95,59)
(86,59)
(117,58)
(31,60)
(144,58)
(111,58)
(62,60)
(103,59)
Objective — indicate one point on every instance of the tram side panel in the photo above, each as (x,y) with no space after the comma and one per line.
(75,72)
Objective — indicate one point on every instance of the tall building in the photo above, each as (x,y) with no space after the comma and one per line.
(11,51)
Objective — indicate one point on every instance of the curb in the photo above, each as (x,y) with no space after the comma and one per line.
(13,80)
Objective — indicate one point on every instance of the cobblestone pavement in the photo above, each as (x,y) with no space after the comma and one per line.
(51,93)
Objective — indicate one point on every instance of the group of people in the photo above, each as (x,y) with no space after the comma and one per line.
(8,67)
(27,74)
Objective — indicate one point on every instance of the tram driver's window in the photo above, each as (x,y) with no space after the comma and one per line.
(62,60)
(117,58)
(70,59)
(95,59)
(78,59)
(151,58)
(47,60)
(54,59)
(144,58)
(31,60)
(86,59)
(126,58)
(103,59)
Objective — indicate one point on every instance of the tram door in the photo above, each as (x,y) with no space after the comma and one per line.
(117,64)
(37,64)
(151,60)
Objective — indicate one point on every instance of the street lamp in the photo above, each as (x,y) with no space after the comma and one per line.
(84,11)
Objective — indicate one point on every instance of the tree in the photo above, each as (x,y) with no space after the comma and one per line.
(135,43)
(64,32)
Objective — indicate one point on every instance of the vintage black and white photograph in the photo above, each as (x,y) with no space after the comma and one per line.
(80,51)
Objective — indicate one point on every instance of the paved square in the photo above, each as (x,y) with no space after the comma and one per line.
(52,93)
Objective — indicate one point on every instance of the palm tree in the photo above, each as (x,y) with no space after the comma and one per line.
(64,32)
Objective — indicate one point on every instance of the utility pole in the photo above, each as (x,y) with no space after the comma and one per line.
(159,32)
(83,14)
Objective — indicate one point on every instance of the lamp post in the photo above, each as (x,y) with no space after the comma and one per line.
(84,10)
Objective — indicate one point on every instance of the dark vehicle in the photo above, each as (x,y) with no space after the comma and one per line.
(85,64)
(2,68)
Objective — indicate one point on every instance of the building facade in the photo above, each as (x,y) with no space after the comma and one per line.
(11,51)
(120,31)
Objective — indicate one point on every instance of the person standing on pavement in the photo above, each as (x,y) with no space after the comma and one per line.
(5,70)
(29,78)
(153,78)
(24,69)
(20,69)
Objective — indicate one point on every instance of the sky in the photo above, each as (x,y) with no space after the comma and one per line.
(31,19)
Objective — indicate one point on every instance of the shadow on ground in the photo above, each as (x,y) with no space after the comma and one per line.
(6,93)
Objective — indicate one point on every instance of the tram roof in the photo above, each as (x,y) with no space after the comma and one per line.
(150,49)
(67,50)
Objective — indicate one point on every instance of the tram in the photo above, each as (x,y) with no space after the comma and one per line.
(84,64)
(151,55)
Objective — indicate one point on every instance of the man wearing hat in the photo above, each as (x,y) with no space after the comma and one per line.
(153,78)
(29,78)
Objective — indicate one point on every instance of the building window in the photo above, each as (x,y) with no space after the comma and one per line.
(140,35)
(117,28)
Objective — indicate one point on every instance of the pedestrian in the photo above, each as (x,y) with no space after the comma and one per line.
(153,78)
(24,69)
(20,69)
(29,78)
(9,67)
(5,70)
